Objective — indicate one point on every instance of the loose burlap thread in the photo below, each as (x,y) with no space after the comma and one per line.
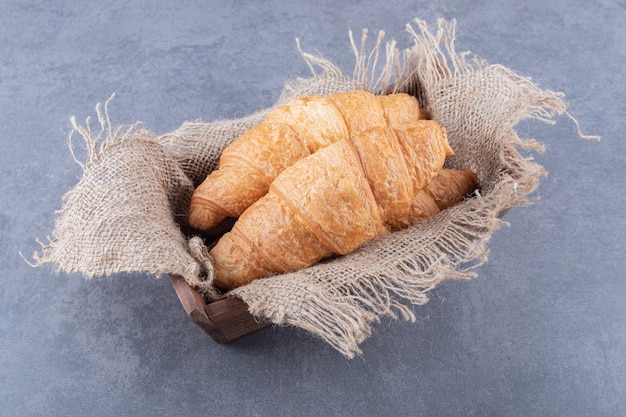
(128,211)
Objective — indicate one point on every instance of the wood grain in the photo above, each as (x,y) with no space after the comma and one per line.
(224,320)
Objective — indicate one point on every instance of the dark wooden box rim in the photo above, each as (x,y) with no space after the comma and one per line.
(224,320)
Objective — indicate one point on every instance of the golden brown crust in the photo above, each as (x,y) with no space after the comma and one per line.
(257,148)
(212,204)
(321,177)
(315,119)
(330,189)
(426,147)
(334,201)
(236,261)
(320,206)
(448,187)
(361,110)
(289,133)
(422,207)
(386,170)
(400,110)
(451,187)
(247,168)
(268,228)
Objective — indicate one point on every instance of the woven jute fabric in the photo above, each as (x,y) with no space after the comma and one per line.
(128,211)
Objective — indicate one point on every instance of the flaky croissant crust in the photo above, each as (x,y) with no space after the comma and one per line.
(289,133)
(321,176)
(337,199)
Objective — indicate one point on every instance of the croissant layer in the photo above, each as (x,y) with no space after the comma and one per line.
(339,198)
(287,134)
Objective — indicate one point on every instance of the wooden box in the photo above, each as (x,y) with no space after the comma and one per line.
(224,320)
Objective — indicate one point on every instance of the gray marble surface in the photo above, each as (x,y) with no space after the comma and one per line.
(540,332)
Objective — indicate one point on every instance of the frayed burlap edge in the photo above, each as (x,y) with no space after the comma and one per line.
(339,300)
(379,280)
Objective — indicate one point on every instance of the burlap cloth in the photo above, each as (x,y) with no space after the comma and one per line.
(127,213)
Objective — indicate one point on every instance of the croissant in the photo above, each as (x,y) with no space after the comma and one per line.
(289,133)
(339,198)
(448,188)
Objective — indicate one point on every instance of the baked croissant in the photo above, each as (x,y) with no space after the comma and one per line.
(289,133)
(339,198)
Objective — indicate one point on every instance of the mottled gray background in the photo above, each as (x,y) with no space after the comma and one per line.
(540,332)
